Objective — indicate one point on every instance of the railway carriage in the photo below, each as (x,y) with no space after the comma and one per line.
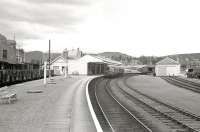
(193,72)
(113,72)
(14,73)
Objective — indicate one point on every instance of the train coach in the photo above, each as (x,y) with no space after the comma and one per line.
(113,72)
(15,73)
(193,72)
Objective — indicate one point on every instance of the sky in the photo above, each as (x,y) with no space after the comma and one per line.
(134,27)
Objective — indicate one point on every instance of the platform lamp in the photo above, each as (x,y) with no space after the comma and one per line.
(45,72)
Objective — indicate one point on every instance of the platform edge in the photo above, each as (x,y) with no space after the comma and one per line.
(96,122)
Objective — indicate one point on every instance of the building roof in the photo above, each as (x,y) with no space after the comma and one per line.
(109,61)
(59,57)
(2,37)
(90,58)
(167,61)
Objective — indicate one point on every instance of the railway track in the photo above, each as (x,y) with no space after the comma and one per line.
(177,119)
(97,109)
(112,115)
(183,83)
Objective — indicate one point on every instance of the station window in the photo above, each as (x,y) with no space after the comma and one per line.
(4,54)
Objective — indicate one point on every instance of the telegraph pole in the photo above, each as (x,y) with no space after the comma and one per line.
(49,59)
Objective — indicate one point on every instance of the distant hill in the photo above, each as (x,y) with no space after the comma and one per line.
(39,57)
(111,54)
(121,57)
(182,58)
(186,58)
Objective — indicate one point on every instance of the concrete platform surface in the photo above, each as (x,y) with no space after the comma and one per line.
(60,107)
(158,88)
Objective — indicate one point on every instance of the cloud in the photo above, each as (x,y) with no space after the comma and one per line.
(31,18)
(74,2)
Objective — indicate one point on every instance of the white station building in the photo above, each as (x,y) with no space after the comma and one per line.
(167,67)
(59,65)
(87,65)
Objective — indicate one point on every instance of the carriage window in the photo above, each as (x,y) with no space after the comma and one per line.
(4,54)
(190,70)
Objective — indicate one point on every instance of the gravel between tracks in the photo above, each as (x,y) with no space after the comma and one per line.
(145,117)
(158,88)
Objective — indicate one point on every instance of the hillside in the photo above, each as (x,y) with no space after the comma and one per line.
(111,54)
(182,58)
(39,57)
(186,58)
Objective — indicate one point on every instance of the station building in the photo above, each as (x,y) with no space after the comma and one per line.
(167,67)
(74,63)
(73,53)
(59,65)
(8,51)
(87,65)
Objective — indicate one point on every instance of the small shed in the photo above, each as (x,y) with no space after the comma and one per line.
(87,65)
(59,65)
(167,67)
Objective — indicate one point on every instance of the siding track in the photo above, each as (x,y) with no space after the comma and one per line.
(183,83)
(177,119)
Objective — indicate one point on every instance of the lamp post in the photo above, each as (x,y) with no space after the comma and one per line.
(45,72)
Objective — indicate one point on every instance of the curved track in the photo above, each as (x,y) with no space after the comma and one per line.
(176,118)
(195,87)
(112,115)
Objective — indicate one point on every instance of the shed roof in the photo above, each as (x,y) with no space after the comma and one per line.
(59,57)
(89,58)
(109,61)
(167,61)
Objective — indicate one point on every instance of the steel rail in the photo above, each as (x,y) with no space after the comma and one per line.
(166,105)
(182,84)
(138,120)
(102,108)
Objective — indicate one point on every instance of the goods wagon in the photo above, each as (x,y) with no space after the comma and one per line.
(15,73)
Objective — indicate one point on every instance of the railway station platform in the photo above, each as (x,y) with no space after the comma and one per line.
(160,89)
(58,107)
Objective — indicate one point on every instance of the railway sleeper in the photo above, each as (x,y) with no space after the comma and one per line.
(164,114)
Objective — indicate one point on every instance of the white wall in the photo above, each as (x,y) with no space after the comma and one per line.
(79,67)
(59,63)
(166,70)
